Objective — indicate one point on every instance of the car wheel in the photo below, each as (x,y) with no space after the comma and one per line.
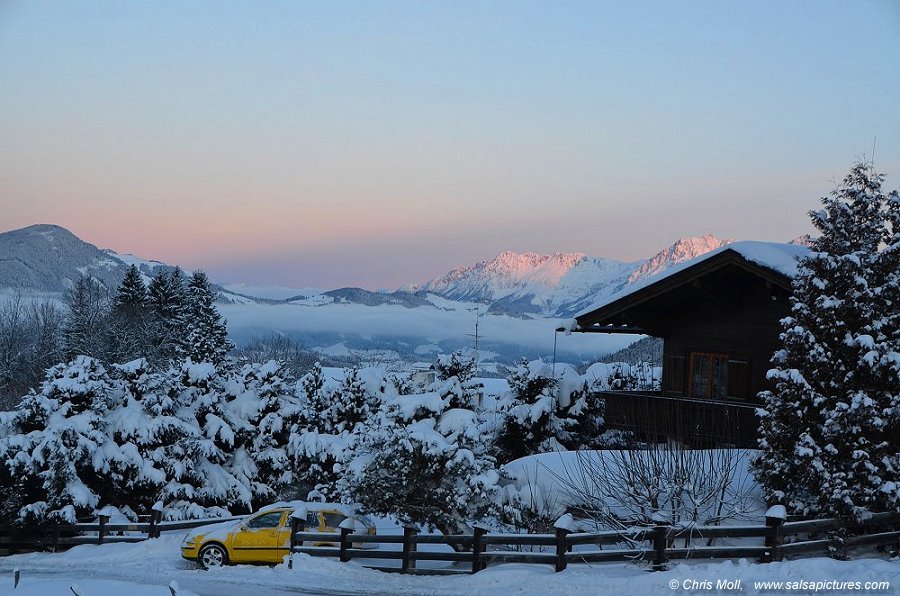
(212,555)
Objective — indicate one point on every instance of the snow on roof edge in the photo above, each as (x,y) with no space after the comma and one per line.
(777,256)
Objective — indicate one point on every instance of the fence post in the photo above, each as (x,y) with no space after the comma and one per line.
(155,518)
(345,532)
(477,549)
(409,547)
(156,513)
(561,534)
(775,517)
(298,524)
(104,519)
(660,539)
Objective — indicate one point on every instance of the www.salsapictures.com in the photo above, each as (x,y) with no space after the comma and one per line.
(802,585)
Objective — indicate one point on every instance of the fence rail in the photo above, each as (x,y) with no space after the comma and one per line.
(881,529)
(14,539)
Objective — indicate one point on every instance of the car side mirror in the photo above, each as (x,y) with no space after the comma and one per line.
(244,527)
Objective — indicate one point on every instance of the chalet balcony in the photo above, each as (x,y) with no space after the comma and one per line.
(655,416)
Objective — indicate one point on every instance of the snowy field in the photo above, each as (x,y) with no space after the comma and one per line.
(147,568)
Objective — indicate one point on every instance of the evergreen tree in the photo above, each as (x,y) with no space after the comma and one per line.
(454,381)
(423,462)
(85,328)
(352,403)
(315,441)
(207,337)
(831,428)
(219,473)
(167,298)
(57,447)
(260,395)
(129,327)
(534,419)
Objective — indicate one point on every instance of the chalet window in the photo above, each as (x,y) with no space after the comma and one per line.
(709,375)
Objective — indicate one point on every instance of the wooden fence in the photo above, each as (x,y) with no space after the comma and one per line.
(14,539)
(657,544)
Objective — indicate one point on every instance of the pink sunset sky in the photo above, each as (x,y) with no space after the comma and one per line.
(377,144)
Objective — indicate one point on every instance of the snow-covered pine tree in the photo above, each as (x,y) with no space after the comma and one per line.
(129,319)
(586,413)
(315,441)
(217,475)
(207,337)
(534,419)
(260,395)
(142,423)
(351,403)
(86,319)
(424,463)
(57,447)
(454,381)
(831,428)
(167,298)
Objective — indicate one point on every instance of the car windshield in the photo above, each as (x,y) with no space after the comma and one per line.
(268,520)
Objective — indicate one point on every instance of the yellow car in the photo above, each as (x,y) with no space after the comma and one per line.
(265,536)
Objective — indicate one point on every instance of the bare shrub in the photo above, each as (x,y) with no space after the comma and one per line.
(658,483)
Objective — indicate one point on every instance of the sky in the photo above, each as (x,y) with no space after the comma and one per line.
(374,144)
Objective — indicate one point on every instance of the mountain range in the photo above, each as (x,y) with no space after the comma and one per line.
(48,259)
(558,284)
(517,300)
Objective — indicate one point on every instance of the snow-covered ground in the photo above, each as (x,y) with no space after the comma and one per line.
(147,568)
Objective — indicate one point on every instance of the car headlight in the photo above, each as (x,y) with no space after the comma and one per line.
(188,541)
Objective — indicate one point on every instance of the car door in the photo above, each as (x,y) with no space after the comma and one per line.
(256,540)
(284,531)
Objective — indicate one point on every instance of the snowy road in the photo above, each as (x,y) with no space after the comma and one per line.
(203,584)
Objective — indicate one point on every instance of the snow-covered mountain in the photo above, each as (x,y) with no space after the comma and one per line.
(48,259)
(683,250)
(557,284)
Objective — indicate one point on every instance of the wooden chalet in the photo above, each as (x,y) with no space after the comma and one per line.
(719,317)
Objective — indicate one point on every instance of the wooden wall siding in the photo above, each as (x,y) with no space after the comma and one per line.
(733,315)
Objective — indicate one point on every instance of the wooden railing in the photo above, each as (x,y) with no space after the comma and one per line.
(54,537)
(702,422)
(811,537)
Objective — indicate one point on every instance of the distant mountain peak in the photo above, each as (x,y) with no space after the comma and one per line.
(509,272)
(804,240)
(683,249)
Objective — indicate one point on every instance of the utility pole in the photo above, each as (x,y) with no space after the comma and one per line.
(476,334)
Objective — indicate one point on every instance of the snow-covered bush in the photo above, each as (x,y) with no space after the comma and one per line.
(831,428)
(200,439)
(57,447)
(423,460)
(535,414)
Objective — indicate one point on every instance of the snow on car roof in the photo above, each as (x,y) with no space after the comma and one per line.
(347,510)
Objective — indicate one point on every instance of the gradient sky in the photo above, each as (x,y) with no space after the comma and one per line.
(378,143)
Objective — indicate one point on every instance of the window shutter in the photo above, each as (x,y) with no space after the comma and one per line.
(738,379)
(675,375)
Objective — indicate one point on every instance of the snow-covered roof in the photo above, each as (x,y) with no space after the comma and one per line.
(781,258)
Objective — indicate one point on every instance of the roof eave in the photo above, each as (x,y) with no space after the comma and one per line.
(595,318)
